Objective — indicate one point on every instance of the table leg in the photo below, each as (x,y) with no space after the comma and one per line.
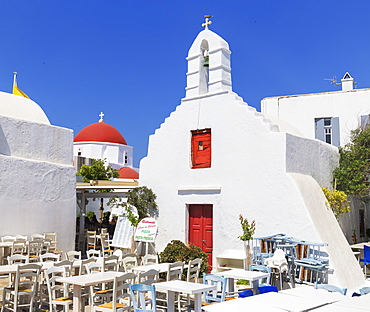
(198,302)
(230,286)
(76,298)
(170,301)
(255,285)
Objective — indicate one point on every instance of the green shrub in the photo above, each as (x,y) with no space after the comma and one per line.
(90,214)
(178,251)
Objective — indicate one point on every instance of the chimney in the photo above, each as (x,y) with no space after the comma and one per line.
(347,82)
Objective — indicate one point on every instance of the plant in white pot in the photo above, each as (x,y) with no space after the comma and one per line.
(248,232)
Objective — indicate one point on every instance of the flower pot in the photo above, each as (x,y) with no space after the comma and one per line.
(247,249)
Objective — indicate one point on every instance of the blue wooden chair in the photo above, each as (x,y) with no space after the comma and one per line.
(366,259)
(141,296)
(364,290)
(213,295)
(331,288)
(262,268)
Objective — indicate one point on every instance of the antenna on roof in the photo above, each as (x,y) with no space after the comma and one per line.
(333,80)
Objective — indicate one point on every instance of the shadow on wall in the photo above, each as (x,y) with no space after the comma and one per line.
(4,146)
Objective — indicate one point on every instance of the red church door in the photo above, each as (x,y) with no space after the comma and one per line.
(201,228)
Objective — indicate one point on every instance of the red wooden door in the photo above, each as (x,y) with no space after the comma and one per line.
(201,228)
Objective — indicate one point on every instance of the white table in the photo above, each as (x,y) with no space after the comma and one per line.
(87,280)
(161,267)
(4,252)
(309,292)
(251,276)
(241,304)
(195,289)
(362,302)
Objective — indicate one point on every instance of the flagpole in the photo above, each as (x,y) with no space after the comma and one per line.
(15,79)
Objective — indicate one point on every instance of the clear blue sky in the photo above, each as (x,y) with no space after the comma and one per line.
(127,58)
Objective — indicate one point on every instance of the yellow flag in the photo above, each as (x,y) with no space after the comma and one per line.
(16,90)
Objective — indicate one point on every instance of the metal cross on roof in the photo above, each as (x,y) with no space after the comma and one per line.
(208,22)
(101,115)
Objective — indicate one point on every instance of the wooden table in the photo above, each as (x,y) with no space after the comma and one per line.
(87,280)
(195,289)
(252,276)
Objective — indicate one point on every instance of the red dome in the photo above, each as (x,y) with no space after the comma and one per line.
(128,173)
(100,132)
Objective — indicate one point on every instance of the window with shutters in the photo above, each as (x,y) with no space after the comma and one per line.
(327,130)
(201,151)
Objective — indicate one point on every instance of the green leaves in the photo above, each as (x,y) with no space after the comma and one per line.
(143,199)
(352,175)
(248,229)
(97,171)
(337,201)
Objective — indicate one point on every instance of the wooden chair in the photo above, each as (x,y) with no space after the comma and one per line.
(149,259)
(148,277)
(73,255)
(34,250)
(57,293)
(111,263)
(18,247)
(47,257)
(128,263)
(92,253)
(213,295)
(105,244)
(91,239)
(119,295)
(18,258)
(21,295)
(139,295)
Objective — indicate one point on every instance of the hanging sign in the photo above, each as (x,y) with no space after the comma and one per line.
(146,230)
(124,230)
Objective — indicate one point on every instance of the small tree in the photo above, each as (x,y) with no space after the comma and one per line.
(337,201)
(97,171)
(143,198)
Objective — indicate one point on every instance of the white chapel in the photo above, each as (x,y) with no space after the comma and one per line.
(215,157)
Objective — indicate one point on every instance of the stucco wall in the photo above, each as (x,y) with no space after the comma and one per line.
(311,157)
(37,181)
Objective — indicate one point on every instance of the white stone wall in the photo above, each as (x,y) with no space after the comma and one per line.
(37,181)
(301,110)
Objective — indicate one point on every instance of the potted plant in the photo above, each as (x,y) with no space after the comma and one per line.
(248,232)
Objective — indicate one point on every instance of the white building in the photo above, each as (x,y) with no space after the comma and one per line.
(37,180)
(215,157)
(327,116)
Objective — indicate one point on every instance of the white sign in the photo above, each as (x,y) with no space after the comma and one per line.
(146,230)
(124,231)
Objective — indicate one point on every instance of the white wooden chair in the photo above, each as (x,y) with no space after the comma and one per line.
(18,247)
(47,257)
(105,244)
(18,258)
(73,255)
(119,294)
(128,263)
(149,259)
(8,238)
(111,263)
(34,250)
(58,293)
(91,239)
(21,295)
(148,277)
(93,253)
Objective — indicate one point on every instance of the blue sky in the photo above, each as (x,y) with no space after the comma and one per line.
(127,58)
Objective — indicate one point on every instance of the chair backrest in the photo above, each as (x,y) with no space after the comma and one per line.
(331,288)
(139,293)
(37,236)
(110,263)
(8,238)
(73,255)
(128,263)
(175,270)
(120,292)
(91,239)
(34,248)
(148,277)
(364,290)
(18,259)
(261,268)
(21,238)
(94,267)
(67,265)
(47,257)
(52,274)
(83,264)
(149,259)
(194,270)
(52,237)
(18,247)
(92,253)
(214,295)
(27,276)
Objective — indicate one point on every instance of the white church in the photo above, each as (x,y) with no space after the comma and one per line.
(37,181)
(215,157)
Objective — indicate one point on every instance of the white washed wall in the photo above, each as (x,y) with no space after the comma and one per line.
(37,181)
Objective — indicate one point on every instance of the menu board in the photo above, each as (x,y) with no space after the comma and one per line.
(124,231)
(146,230)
